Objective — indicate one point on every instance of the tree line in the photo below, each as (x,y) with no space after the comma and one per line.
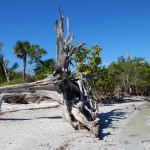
(24,50)
(126,76)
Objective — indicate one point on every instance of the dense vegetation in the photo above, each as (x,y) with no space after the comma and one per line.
(123,77)
(131,76)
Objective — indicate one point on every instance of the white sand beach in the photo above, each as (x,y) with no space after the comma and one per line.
(38,126)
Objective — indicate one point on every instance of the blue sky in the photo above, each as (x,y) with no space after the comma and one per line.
(116,25)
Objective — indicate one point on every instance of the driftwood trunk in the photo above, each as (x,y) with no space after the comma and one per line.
(79,106)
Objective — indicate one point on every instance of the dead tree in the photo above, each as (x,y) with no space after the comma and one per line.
(78,105)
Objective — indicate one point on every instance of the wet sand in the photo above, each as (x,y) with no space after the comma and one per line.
(136,133)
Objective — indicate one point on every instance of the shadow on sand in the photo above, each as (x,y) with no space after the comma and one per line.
(106,121)
(23,119)
(13,119)
(53,117)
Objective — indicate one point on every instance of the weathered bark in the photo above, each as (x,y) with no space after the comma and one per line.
(39,88)
(79,107)
(46,84)
(35,91)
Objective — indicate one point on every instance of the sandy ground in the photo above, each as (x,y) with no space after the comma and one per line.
(123,126)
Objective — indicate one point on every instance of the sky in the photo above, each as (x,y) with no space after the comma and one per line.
(115,25)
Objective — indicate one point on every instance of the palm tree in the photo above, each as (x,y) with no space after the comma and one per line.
(21,50)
